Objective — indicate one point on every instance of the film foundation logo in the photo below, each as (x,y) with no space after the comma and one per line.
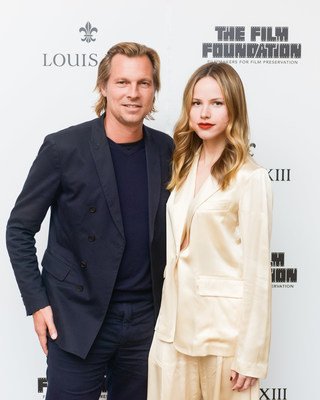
(284,278)
(273,394)
(275,174)
(66,59)
(254,45)
(42,388)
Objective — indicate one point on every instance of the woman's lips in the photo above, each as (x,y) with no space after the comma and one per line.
(205,126)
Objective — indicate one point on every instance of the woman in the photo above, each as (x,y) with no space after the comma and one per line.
(214,321)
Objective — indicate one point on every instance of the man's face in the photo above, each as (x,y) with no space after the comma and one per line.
(129,90)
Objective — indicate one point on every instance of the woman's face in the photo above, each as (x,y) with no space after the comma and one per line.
(208,114)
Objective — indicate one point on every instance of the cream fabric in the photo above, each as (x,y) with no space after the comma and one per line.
(176,376)
(217,291)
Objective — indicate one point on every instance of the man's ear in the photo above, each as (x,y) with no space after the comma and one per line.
(103,91)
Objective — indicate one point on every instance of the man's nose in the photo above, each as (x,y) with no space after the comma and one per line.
(133,91)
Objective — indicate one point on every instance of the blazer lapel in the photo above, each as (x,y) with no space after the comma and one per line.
(187,204)
(182,200)
(154,178)
(102,157)
(208,189)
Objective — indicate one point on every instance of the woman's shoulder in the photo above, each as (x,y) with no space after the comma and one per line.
(250,169)
(251,166)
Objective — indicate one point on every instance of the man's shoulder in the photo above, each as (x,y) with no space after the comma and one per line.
(160,137)
(76,132)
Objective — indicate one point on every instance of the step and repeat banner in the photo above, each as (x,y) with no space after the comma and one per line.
(50,51)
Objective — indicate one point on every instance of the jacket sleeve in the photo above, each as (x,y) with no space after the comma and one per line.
(255,216)
(38,194)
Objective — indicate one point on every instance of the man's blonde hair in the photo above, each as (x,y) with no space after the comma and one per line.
(129,49)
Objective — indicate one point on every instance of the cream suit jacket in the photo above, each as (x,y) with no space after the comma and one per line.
(217,290)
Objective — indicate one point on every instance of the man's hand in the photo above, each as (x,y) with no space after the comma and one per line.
(43,322)
(241,382)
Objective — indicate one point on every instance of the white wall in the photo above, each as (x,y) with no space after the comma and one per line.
(283,105)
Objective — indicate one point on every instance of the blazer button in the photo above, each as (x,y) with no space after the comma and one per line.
(91,238)
(80,288)
(83,264)
(92,209)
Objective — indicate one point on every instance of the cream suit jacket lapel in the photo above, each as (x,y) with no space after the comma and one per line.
(186,204)
(181,208)
(177,211)
(208,189)
(181,204)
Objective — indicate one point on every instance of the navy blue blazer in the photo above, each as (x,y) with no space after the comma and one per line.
(73,175)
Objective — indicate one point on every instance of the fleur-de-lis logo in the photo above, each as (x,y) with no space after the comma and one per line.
(88,31)
(252,145)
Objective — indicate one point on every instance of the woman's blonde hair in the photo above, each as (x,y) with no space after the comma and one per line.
(188,142)
(129,49)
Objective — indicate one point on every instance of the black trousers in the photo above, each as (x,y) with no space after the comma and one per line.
(120,352)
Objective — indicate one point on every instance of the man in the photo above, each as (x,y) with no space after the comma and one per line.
(94,306)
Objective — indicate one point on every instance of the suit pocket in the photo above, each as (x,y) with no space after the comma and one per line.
(219,287)
(221,309)
(56,266)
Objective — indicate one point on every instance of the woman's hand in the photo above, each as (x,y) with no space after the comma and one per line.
(241,382)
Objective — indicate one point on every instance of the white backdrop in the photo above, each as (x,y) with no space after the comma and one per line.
(41,93)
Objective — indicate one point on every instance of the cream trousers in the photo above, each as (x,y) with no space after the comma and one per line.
(176,376)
